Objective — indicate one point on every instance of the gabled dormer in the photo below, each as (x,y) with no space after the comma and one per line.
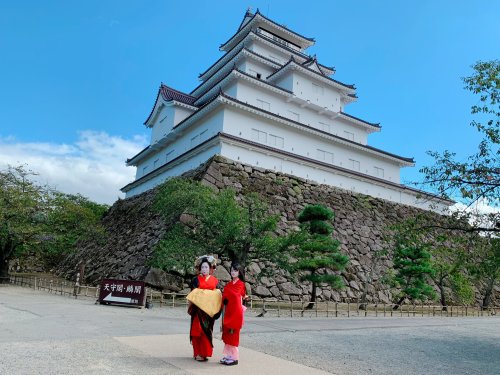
(170,108)
(312,63)
(313,89)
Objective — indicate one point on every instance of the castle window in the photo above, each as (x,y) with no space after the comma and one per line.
(169,155)
(276,141)
(254,73)
(325,127)
(349,135)
(155,163)
(294,115)
(379,172)
(195,139)
(259,136)
(324,156)
(145,170)
(263,104)
(354,164)
(203,135)
(317,89)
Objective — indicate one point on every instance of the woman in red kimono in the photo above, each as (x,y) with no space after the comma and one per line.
(232,298)
(202,324)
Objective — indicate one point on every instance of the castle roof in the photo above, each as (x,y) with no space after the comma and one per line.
(224,98)
(243,51)
(312,63)
(256,35)
(231,138)
(169,94)
(376,125)
(236,73)
(281,31)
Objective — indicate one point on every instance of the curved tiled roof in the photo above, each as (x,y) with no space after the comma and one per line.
(313,60)
(284,27)
(169,93)
(269,40)
(233,70)
(248,14)
(243,49)
(375,124)
(257,13)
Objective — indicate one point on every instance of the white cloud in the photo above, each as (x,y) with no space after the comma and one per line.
(94,166)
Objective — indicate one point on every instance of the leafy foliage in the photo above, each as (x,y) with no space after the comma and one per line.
(478,177)
(23,205)
(38,219)
(211,222)
(449,264)
(70,219)
(485,267)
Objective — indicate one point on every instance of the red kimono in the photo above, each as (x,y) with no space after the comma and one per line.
(233,312)
(202,325)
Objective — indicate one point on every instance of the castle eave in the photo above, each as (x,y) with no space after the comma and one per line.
(280,31)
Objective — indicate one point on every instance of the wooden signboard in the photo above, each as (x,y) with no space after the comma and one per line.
(122,292)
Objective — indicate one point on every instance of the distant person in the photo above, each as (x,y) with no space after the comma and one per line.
(204,303)
(232,299)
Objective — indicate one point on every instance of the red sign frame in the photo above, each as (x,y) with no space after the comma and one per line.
(122,292)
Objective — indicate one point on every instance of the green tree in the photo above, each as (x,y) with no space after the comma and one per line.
(449,254)
(23,205)
(477,177)
(203,221)
(485,267)
(449,264)
(38,219)
(312,250)
(412,267)
(69,219)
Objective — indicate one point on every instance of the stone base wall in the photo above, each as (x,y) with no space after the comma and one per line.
(133,229)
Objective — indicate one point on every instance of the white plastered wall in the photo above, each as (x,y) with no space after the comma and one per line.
(191,137)
(176,170)
(327,176)
(307,144)
(253,95)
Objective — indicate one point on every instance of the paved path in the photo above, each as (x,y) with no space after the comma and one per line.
(42,333)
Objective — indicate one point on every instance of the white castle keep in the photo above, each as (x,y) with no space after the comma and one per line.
(266,103)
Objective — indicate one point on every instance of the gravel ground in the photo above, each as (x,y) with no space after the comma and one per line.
(41,333)
(462,348)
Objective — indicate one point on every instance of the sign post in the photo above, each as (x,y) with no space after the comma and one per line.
(122,292)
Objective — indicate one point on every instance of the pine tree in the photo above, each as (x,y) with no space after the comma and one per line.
(313,249)
(412,266)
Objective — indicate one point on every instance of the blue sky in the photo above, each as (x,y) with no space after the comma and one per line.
(78,79)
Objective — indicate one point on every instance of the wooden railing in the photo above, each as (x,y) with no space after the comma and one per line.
(270,307)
